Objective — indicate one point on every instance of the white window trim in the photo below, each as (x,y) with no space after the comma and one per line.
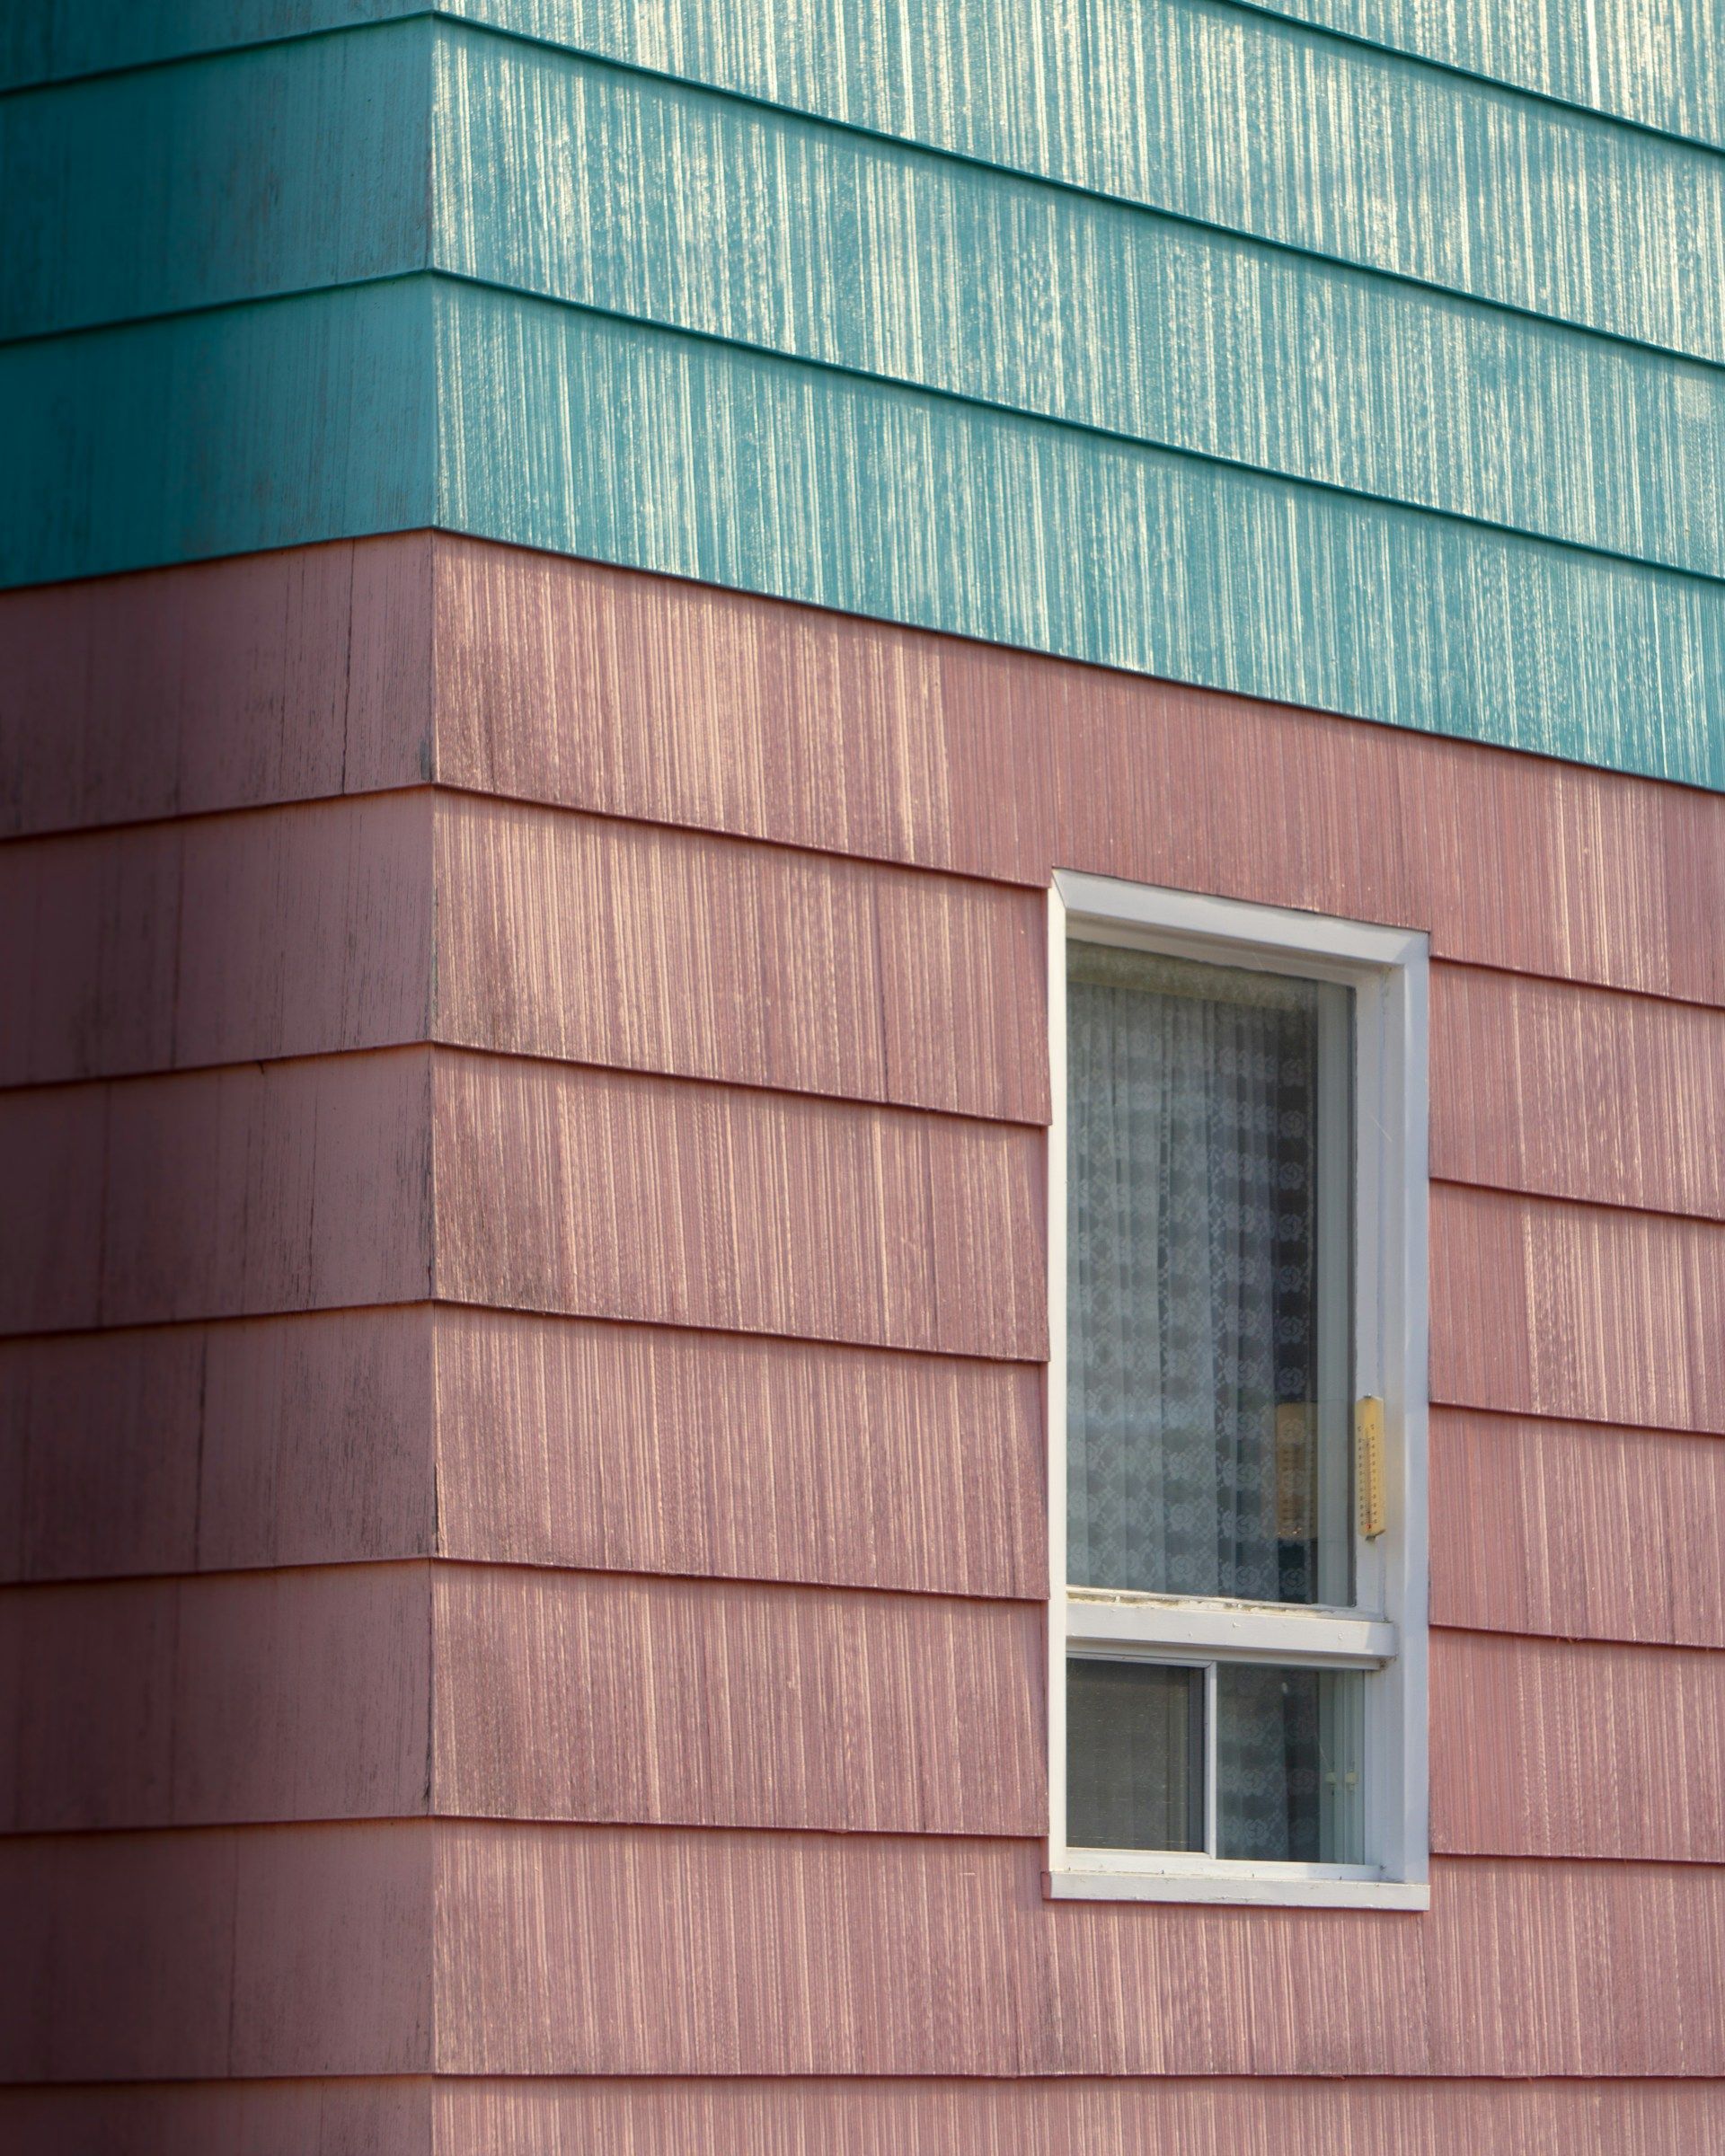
(1386,1633)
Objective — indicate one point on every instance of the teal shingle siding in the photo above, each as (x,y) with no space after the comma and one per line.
(220,433)
(1659,64)
(58,41)
(285,169)
(1194,341)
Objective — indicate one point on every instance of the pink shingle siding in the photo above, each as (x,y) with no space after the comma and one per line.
(523,1511)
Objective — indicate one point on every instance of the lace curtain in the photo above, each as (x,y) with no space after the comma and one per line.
(1192,1099)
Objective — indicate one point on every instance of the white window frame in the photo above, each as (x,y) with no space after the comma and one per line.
(1385,1632)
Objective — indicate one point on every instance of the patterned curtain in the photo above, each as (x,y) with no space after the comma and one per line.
(1290,1750)
(1190,1276)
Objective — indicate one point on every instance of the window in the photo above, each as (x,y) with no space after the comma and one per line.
(1236,1401)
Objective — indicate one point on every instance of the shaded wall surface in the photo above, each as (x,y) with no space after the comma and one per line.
(1362,354)
(522,1352)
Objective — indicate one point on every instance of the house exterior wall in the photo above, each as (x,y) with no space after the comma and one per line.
(524,1561)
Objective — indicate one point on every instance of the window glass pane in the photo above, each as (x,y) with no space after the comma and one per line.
(1209,1239)
(1135,1756)
(1290,1759)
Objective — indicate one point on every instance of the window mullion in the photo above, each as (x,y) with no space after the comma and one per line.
(1210,1775)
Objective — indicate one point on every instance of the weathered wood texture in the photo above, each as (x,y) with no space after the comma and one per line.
(1663,70)
(304,929)
(309,1440)
(878,2116)
(1538,1086)
(674,702)
(217,940)
(893,503)
(1577,1529)
(320,2118)
(644,1449)
(230,685)
(256,1696)
(592,1698)
(58,41)
(270,1697)
(295,165)
(303,165)
(572,1696)
(1498,194)
(606,1194)
(1220,2117)
(257,1188)
(224,685)
(936,1712)
(1577,1312)
(218,1953)
(877,1953)
(605,943)
(311,1951)
(284,1440)
(231,938)
(875,499)
(1551,1748)
(775,231)
(319,413)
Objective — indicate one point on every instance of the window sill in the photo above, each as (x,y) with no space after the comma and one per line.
(1252,1631)
(1238,1887)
